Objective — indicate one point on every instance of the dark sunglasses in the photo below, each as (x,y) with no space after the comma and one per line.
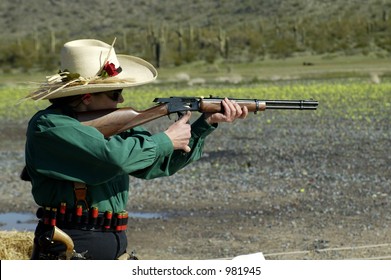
(114,95)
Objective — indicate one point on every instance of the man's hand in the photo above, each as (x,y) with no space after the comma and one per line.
(232,111)
(180,133)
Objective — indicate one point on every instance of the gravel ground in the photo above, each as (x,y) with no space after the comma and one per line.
(282,183)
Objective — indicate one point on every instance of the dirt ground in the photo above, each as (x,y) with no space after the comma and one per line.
(295,188)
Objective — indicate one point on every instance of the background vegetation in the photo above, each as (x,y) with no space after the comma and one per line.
(172,33)
(286,182)
(325,180)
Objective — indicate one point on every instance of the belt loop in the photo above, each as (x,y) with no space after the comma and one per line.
(80,190)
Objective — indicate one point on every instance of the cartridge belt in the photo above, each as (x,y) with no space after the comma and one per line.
(90,219)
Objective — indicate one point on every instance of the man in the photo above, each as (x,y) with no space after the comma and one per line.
(80,179)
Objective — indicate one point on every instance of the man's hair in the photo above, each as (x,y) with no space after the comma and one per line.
(65,100)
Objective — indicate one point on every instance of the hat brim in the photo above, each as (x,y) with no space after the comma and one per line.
(135,72)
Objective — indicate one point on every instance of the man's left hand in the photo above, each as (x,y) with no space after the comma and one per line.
(232,111)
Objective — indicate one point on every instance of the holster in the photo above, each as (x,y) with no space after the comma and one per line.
(51,243)
(35,252)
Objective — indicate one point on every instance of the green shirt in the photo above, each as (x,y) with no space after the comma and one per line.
(60,150)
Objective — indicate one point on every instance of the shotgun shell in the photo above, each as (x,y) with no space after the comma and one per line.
(125,220)
(61,214)
(79,213)
(94,215)
(63,208)
(118,226)
(107,220)
(53,216)
(46,216)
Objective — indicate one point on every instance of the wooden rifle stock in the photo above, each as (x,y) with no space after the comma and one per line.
(113,121)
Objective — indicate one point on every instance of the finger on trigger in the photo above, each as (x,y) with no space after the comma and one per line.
(185,118)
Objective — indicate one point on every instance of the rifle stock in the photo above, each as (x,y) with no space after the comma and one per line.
(113,121)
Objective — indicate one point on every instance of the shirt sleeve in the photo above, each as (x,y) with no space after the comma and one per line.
(60,147)
(176,160)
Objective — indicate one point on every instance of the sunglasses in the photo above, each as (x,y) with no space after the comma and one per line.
(114,95)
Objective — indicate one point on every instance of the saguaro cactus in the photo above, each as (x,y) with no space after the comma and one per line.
(156,40)
(223,43)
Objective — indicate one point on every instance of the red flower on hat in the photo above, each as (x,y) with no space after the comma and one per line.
(110,70)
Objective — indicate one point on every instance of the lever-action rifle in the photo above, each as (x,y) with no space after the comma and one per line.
(113,121)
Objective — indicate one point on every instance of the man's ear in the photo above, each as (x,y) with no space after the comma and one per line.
(86,98)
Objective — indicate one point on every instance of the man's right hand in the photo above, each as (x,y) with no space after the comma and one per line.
(180,133)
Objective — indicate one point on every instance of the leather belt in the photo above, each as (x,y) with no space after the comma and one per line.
(86,220)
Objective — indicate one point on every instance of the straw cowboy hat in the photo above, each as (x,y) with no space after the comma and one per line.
(89,66)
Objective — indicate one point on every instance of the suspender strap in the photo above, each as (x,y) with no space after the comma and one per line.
(80,190)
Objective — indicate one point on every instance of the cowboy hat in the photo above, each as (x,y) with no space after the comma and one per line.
(90,66)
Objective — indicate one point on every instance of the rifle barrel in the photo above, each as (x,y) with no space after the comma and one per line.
(255,105)
(213,104)
(291,104)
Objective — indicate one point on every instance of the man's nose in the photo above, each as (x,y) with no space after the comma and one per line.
(121,98)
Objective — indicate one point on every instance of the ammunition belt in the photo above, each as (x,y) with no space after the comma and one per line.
(86,220)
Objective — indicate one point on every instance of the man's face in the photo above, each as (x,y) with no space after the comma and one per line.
(105,100)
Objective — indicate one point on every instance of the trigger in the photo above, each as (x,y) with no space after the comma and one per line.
(180,114)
